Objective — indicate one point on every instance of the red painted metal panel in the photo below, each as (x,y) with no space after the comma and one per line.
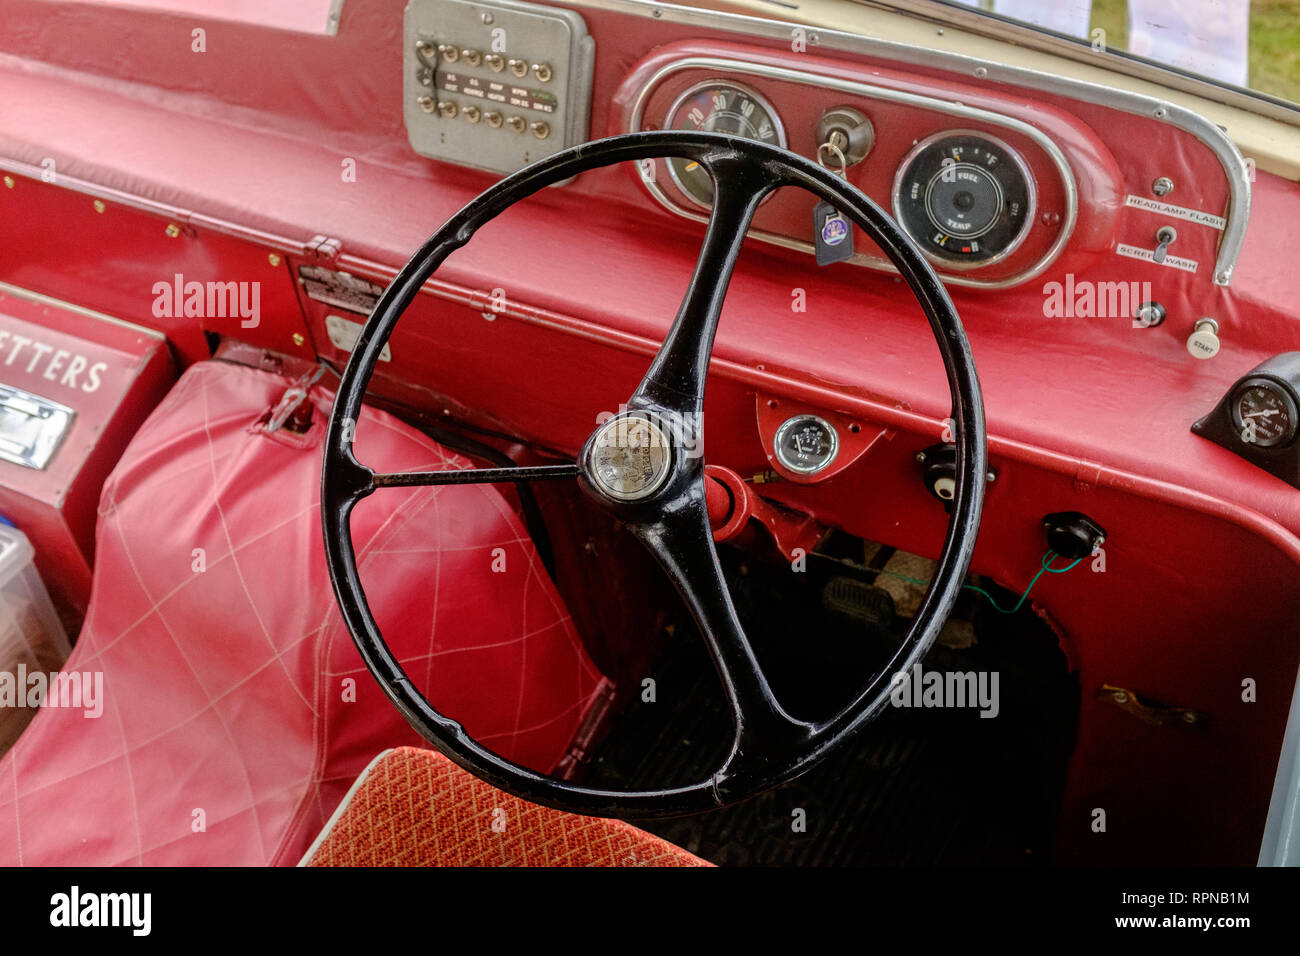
(111,375)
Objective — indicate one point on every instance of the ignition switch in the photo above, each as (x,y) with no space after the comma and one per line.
(849,131)
(1072,534)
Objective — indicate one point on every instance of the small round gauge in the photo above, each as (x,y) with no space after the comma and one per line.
(966,198)
(720,107)
(1264,413)
(806,444)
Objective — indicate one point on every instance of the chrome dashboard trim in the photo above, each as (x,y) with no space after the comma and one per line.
(1215,139)
(728,65)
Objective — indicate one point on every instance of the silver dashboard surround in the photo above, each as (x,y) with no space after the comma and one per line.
(868,91)
(987,71)
(550,100)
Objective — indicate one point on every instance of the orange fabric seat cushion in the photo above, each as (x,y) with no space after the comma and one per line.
(414,807)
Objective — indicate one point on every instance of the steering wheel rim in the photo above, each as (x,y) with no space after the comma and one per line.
(769,747)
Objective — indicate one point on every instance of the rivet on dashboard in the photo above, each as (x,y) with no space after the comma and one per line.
(172,230)
(298,339)
(487,18)
(1162,186)
(981,71)
(274,259)
(99,205)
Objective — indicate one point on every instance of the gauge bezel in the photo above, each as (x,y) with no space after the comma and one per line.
(1293,413)
(1030,213)
(694,88)
(785,427)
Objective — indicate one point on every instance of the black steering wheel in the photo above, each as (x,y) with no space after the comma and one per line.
(638,465)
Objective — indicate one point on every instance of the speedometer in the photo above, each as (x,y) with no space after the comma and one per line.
(718,106)
(966,198)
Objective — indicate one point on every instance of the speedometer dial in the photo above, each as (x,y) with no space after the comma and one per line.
(966,198)
(718,106)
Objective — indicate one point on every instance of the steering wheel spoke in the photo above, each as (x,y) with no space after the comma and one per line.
(474,476)
(681,541)
(675,379)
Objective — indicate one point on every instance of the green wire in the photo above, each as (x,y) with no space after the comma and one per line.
(1048,557)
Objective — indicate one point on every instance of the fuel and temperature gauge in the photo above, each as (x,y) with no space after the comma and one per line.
(806,444)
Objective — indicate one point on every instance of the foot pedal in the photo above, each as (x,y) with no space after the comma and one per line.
(859,600)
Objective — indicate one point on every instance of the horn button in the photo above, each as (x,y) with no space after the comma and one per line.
(628,458)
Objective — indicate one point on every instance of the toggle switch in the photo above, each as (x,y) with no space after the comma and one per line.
(1165,237)
(518,67)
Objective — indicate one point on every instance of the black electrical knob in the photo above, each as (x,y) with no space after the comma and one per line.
(1072,534)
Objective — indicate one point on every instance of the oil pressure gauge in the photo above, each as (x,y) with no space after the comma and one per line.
(1264,413)
(1259,417)
(806,444)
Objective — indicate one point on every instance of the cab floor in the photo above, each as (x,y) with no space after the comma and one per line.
(919,787)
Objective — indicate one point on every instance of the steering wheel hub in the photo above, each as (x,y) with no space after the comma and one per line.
(628,457)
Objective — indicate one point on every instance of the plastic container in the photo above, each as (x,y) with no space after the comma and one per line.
(31,636)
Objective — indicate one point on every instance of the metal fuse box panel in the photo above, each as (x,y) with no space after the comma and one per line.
(495,84)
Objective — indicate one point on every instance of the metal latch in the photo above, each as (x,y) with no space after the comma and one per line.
(31,427)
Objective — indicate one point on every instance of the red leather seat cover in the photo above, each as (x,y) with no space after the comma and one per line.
(237,712)
(414,807)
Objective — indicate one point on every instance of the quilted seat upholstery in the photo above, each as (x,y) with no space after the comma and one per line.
(237,712)
(414,807)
